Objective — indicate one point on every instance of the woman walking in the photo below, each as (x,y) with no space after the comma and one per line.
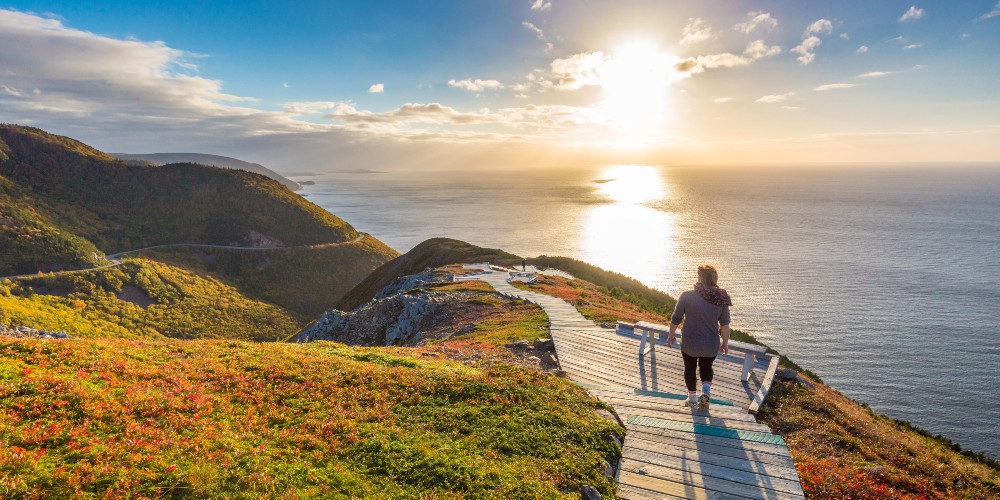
(705,313)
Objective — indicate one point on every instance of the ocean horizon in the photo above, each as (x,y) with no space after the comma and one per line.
(883,280)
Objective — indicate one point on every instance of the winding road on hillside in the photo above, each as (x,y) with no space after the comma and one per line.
(115,258)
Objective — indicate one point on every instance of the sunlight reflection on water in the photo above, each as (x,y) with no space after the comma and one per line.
(627,235)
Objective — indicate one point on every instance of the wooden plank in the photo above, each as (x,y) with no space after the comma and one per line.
(699,440)
(628,492)
(659,423)
(662,398)
(765,386)
(710,483)
(689,441)
(684,414)
(666,455)
(718,422)
(670,488)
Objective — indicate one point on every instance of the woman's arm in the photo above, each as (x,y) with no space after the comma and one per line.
(724,331)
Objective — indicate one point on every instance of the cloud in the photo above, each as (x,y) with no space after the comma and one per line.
(991,14)
(541,5)
(757,19)
(875,74)
(11,91)
(538,31)
(821,26)
(722,100)
(285,85)
(862,49)
(376,88)
(754,51)
(806,48)
(696,30)
(845,36)
(835,86)
(775,98)
(578,70)
(409,112)
(85,78)
(912,14)
(309,107)
(476,85)
(913,46)
(810,41)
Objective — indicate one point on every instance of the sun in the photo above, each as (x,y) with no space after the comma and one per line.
(635,80)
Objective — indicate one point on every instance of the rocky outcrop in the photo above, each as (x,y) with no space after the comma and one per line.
(405,284)
(24,332)
(396,320)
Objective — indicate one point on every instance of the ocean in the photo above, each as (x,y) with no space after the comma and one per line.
(883,280)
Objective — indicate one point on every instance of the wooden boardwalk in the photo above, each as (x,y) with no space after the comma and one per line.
(670,450)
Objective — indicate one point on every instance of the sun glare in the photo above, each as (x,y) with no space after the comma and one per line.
(635,81)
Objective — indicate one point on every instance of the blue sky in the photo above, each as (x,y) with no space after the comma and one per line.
(499,83)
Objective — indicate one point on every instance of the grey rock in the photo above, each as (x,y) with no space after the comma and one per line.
(805,383)
(545,345)
(607,469)
(588,492)
(614,438)
(610,417)
(548,361)
(535,359)
(518,345)
(786,374)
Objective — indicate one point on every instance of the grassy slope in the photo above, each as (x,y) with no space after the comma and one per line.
(305,280)
(211,418)
(184,305)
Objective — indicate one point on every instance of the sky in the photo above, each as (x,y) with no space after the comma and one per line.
(318,85)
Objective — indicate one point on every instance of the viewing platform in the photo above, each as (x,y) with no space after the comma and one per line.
(671,450)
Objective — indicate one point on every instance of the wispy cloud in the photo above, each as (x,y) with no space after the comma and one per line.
(875,74)
(535,29)
(912,14)
(696,30)
(807,49)
(757,19)
(862,49)
(835,86)
(376,88)
(541,5)
(754,51)
(722,100)
(476,85)
(913,46)
(775,98)
(820,26)
(991,14)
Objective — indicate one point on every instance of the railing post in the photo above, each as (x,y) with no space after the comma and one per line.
(748,360)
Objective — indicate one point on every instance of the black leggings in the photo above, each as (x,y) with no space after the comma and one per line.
(704,365)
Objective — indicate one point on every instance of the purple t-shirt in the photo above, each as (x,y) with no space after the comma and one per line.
(701,324)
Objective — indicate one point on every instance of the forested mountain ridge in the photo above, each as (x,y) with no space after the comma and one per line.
(157,159)
(63,204)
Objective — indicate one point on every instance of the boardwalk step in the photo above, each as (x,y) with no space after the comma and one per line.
(709,430)
(655,394)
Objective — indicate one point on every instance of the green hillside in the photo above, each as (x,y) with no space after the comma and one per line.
(75,189)
(306,280)
(142,299)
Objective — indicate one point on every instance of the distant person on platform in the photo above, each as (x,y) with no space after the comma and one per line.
(524,265)
(705,313)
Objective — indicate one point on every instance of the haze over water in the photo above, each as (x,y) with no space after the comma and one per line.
(884,281)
